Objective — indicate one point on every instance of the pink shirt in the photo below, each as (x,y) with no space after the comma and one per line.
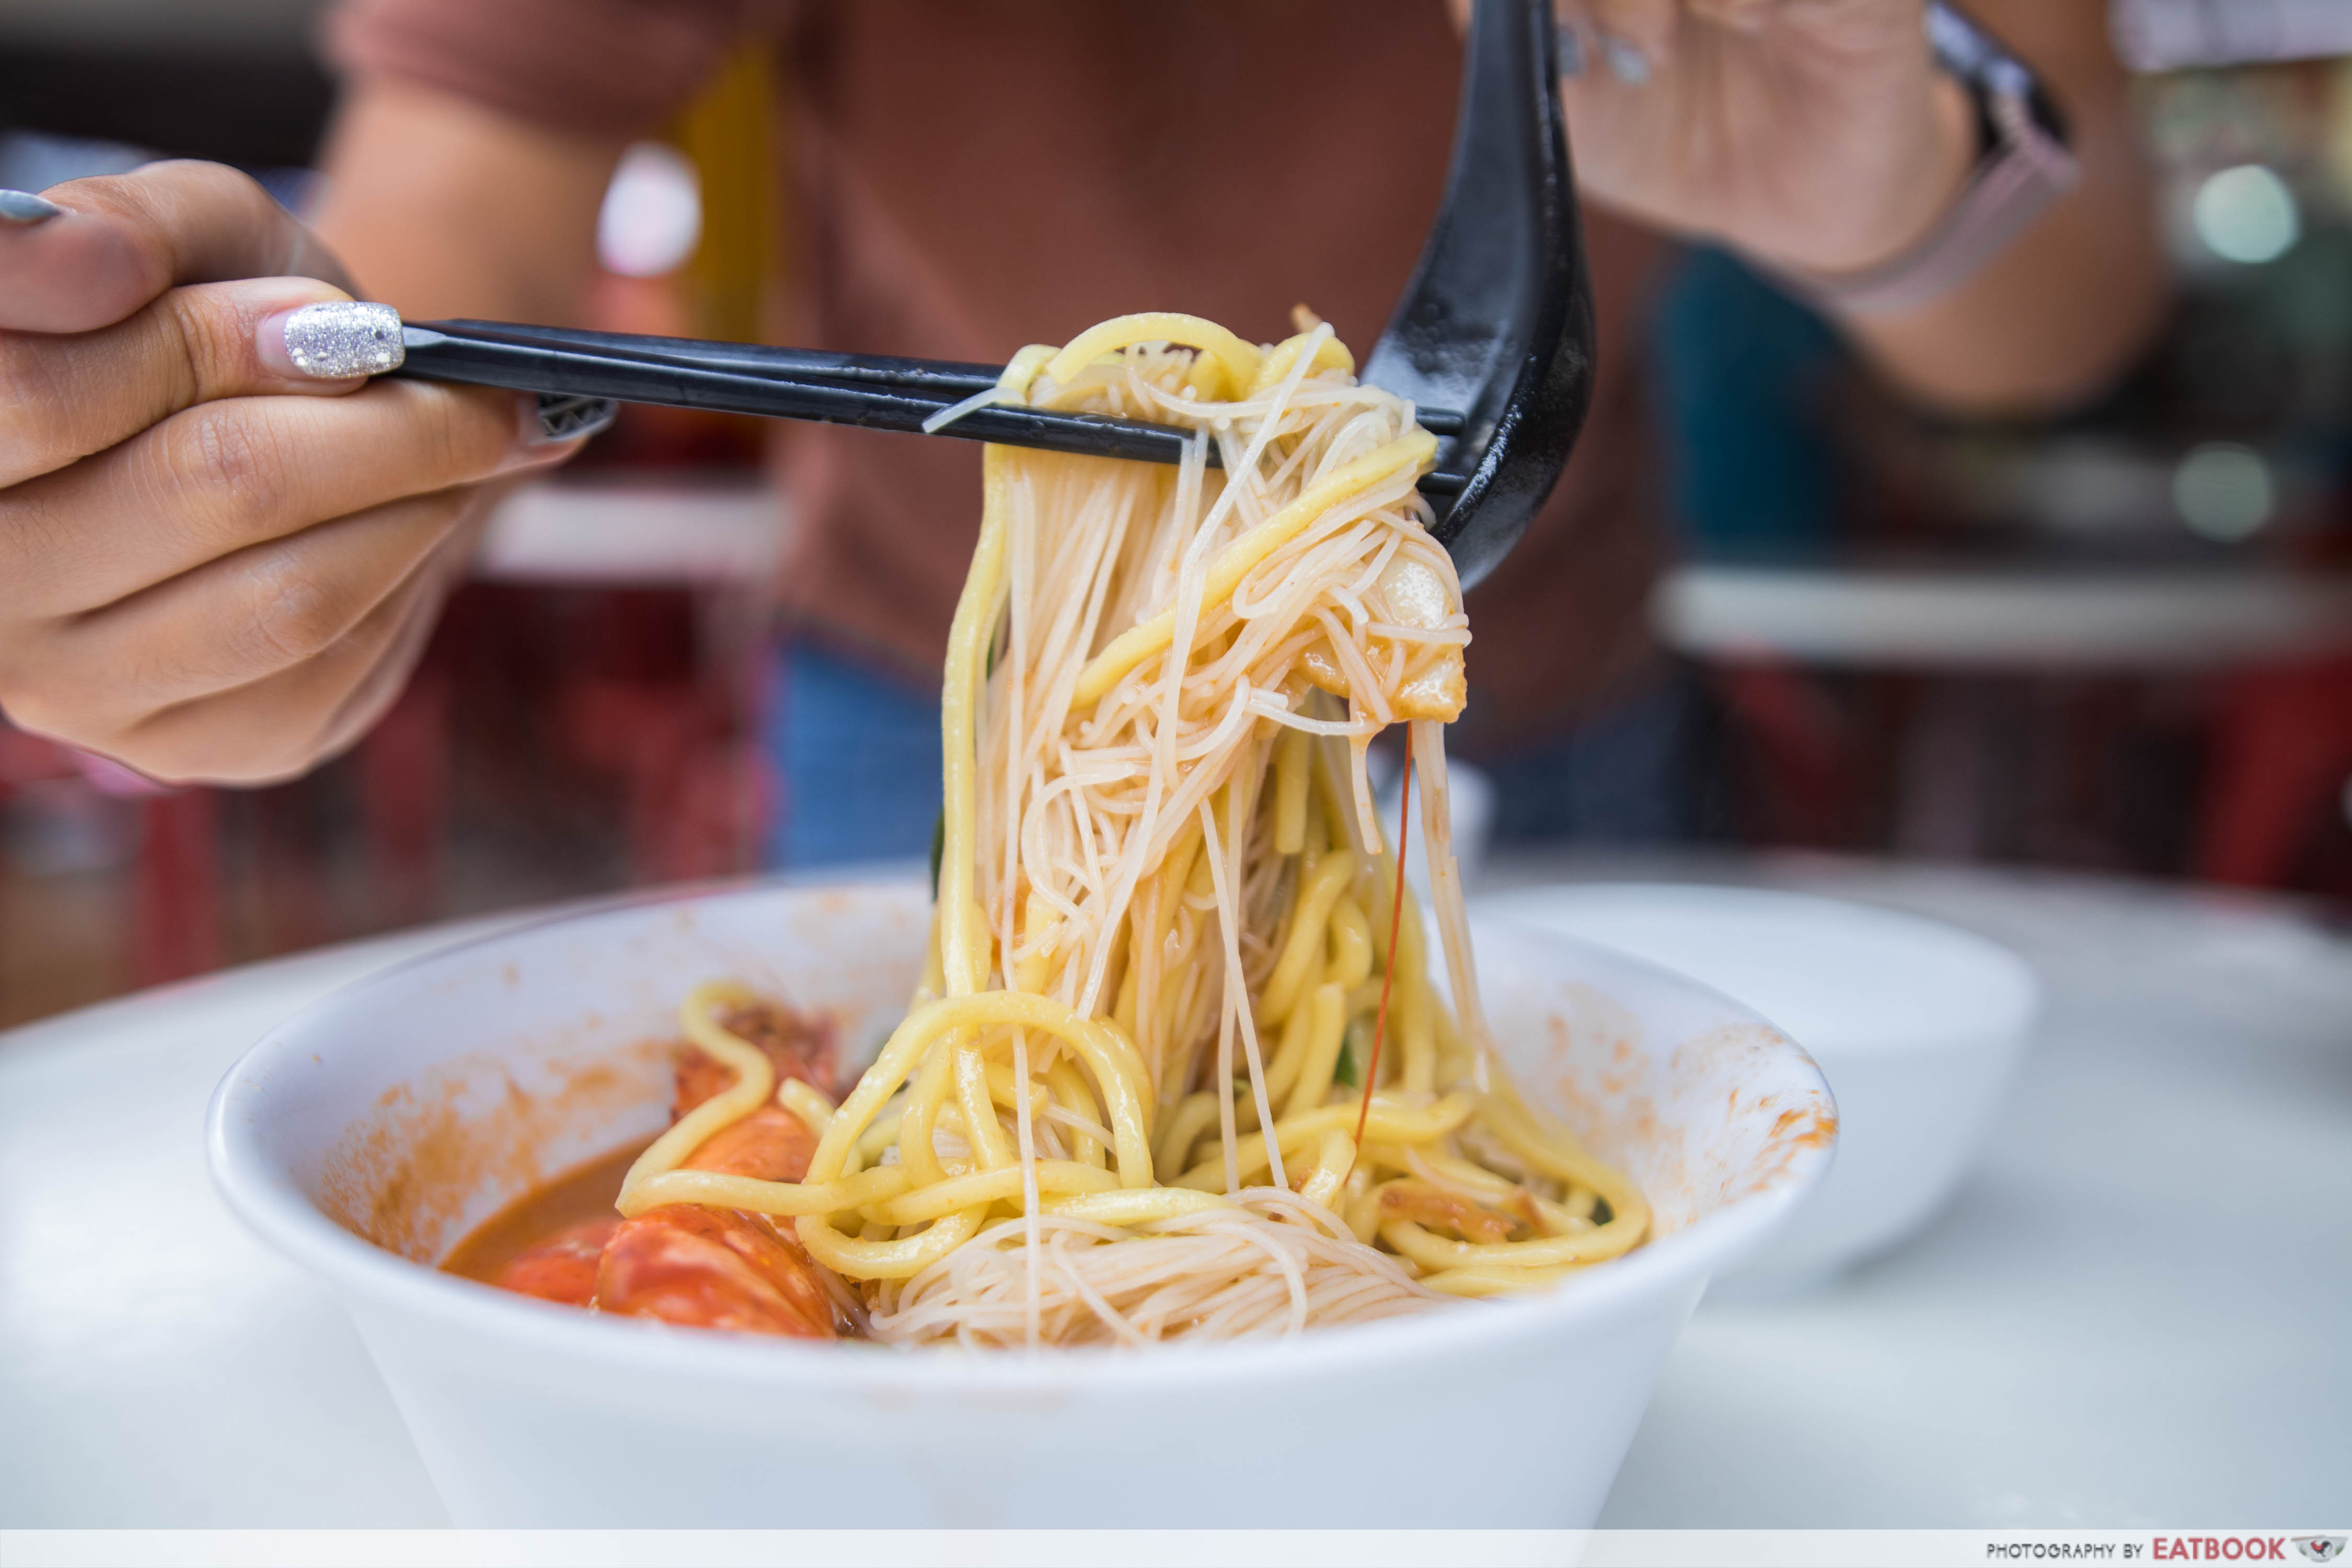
(972,175)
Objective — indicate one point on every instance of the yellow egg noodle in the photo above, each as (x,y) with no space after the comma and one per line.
(1124,1105)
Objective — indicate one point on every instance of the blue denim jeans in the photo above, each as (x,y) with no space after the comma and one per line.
(857,757)
(857,754)
(1624,776)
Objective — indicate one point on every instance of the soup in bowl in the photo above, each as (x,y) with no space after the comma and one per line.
(370,1136)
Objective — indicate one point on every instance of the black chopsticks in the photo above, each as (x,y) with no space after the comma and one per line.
(874,390)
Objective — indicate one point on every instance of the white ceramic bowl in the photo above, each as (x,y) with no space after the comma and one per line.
(1918,1025)
(405,1109)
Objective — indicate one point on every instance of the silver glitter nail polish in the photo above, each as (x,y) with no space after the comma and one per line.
(25,207)
(344,337)
(1626,61)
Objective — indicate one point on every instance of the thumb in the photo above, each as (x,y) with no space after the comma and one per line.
(105,247)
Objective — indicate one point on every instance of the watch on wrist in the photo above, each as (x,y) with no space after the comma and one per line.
(2023,164)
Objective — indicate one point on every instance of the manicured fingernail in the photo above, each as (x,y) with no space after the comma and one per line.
(1572,52)
(25,208)
(1626,61)
(333,340)
(549,417)
(552,425)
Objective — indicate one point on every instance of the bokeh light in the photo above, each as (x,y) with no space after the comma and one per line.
(2223,491)
(652,217)
(2247,214)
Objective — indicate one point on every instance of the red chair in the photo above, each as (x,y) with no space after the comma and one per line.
(2281,755)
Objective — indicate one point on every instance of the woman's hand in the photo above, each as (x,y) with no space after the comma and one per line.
(1819,137)
(1813,135)
(213,565)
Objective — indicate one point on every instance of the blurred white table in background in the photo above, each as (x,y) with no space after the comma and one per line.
(2133,1314)
(1956,619)
(590,531)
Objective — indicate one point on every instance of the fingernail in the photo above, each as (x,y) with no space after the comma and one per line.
(549,417)
(1626,61)
(1570,52)
(332,341)
(25,207)
(550,426)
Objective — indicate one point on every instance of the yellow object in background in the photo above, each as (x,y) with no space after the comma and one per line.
(730,134)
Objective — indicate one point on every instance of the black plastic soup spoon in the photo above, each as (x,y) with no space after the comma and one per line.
(1493,341)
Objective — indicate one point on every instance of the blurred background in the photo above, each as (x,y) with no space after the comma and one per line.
(2119,643)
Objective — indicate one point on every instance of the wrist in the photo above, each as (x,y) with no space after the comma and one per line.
(1916,189)
(1956,147)
(2022,163)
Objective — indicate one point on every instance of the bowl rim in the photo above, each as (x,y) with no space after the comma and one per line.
(267,1201)
(2010,983)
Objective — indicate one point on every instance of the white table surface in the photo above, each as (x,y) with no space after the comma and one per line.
(1898,618)
(2137,1312)
(602,531)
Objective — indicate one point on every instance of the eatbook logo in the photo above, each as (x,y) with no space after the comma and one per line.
(2320,1548)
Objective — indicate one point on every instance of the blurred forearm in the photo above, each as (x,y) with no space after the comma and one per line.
(2051,321)
(442,208)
